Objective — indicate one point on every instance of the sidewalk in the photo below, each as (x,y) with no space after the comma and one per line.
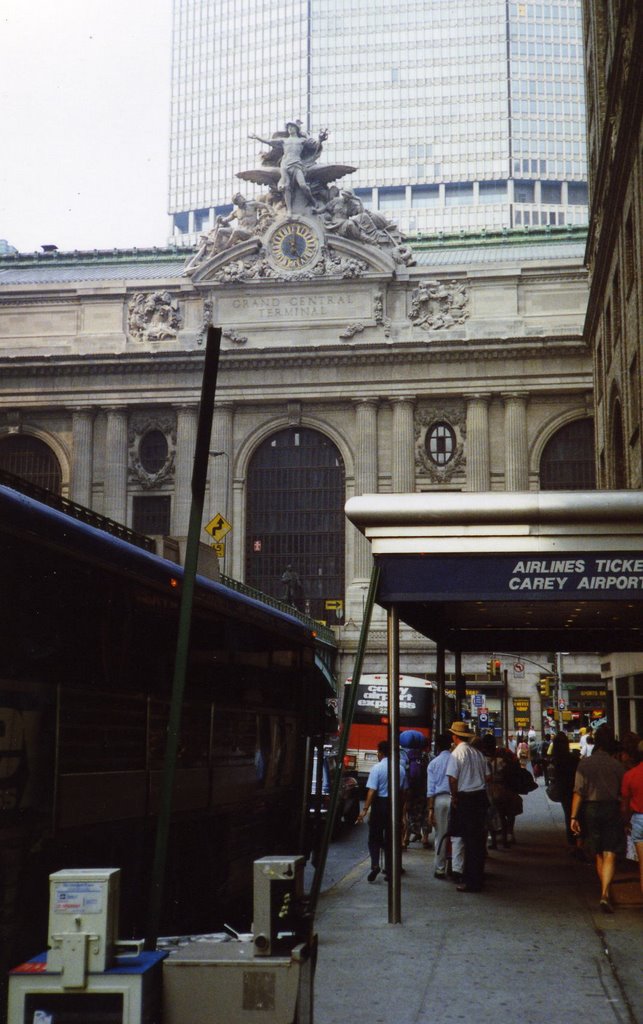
(532,948)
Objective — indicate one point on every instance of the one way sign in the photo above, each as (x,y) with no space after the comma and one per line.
(218,527)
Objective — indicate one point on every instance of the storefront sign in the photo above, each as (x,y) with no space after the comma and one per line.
(522,712)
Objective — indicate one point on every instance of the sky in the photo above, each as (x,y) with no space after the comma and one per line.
(84,123)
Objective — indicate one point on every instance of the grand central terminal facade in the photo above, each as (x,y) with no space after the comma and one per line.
(353,362)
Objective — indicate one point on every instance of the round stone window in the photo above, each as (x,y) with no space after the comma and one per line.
(440,444)
(153,451)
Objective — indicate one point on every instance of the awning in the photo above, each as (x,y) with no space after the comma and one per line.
(538,571)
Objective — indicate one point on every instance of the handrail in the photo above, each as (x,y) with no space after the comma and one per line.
(322,631)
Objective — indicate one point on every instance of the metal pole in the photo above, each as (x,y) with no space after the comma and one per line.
(347,719)
(199,474)
(439,678)
(558,666)
(394,833)
(505,706)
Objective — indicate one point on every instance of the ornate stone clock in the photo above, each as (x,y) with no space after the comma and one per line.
(293,245)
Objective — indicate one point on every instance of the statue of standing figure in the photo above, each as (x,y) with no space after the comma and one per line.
(291,172)
(293,153)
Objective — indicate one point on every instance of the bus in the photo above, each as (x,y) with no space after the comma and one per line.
(370,719)
(87,647)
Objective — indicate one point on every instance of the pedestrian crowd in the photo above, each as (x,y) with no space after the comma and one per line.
(474,793)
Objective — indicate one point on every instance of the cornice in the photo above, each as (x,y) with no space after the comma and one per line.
(417,352)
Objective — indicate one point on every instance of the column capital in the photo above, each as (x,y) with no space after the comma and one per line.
(366,402)
(479,396)
(514,395)
(402,399)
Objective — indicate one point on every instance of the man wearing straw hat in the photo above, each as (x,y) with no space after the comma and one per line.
(467,772)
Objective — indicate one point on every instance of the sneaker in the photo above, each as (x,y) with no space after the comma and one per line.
(456,876)
(372,875)
(439,874)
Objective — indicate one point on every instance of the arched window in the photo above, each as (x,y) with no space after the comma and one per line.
(295,521)
(567,462)
(33,460)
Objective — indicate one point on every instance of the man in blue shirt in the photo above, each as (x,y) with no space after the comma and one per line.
(377,804)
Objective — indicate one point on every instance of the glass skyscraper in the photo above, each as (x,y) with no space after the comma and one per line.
(460,115)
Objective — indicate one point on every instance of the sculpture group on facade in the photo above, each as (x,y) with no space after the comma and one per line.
(437,304)
(297,185)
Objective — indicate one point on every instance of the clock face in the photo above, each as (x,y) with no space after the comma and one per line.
(293,245)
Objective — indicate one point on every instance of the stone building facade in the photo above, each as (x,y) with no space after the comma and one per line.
(457,366)
(613,45)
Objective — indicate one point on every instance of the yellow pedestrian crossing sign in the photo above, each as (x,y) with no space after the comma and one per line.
(218,527)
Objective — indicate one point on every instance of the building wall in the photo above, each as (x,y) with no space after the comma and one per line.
(613,36)
(89,368)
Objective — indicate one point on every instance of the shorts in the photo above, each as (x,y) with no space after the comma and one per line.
(637,828)
(603,827)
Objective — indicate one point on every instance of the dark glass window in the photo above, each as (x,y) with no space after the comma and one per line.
(567,463)
(440,444)
(182,222)
(151,514)
(524,191)
(295,521)
(153,451)
(550,192)
(31,459)
(577,193)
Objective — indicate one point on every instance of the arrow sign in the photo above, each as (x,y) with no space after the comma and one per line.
(218,527)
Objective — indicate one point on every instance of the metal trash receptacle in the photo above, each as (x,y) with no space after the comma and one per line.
(225,983)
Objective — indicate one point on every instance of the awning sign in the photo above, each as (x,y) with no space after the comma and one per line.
(510,577)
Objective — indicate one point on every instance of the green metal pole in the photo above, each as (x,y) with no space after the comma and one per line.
(347,719)
(199,475)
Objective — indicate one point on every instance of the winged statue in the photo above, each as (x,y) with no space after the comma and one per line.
(290,170)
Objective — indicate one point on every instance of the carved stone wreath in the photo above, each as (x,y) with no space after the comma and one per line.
(425,421)
(139,427)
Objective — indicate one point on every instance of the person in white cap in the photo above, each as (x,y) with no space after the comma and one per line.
(468,775)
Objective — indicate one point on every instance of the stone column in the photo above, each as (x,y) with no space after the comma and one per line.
(221,465)
(516,449)
(365,474)
(403,446)
(115,497)
(478,462)
(186,427)
(82,454)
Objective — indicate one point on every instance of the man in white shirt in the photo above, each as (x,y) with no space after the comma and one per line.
(468,775)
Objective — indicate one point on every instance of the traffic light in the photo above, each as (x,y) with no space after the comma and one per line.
(544,686)
(494,665)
